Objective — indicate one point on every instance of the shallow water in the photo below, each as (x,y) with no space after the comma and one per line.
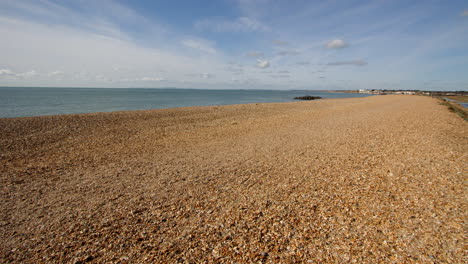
(465,105)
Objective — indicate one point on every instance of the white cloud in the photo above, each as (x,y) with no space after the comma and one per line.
(55,73)
(207,75)
(6,72)
(336,44)
(254,54)
(152,79)
(263,64)
(84,55)
(100,17)
(352,62)
(27,75)
(242,24)
(465,13)
(21,75)
(199,44)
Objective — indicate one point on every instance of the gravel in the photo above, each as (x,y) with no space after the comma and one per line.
(380,179)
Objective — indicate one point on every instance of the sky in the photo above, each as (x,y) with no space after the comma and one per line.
(235,44)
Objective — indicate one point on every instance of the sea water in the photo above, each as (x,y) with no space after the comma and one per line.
(38,101)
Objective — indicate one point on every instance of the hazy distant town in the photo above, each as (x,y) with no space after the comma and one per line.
(414,92)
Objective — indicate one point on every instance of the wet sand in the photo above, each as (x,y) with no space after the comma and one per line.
(362,180)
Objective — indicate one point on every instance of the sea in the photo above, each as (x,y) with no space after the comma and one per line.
(40,101)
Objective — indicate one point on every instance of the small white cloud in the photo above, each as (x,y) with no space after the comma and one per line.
(55,73)
(352,62)
(6,72)
(151,79)
(27,75)
(263,64)
(254,54)
(280,42)
(336,44)
(465,13)
(23,75)
(199,44)
(207,75)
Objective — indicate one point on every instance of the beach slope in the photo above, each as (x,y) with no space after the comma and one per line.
(364,180)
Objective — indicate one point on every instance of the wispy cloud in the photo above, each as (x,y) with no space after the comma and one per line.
(351,62)
(99,17)
(6,72)
(27,75)
(86,50)
(20,75)
(336,44)
(207,75)
(289,53)
(151,79)
(242,24)
(55,73)
(465,13)
(263,64)
(199,44)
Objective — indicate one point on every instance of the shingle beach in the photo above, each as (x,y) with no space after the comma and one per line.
(380,179)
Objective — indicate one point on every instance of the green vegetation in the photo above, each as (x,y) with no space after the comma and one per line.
(453,107)
(458,98)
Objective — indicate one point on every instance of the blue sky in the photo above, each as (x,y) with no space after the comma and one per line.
(232,44)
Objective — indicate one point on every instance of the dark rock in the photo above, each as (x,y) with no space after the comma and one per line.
(307,97)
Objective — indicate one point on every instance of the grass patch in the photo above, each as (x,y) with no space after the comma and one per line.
(457,109)
(458,98)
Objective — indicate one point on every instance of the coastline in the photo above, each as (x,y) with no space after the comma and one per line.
(371,179)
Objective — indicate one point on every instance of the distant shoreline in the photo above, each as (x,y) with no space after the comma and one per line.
(410,92)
